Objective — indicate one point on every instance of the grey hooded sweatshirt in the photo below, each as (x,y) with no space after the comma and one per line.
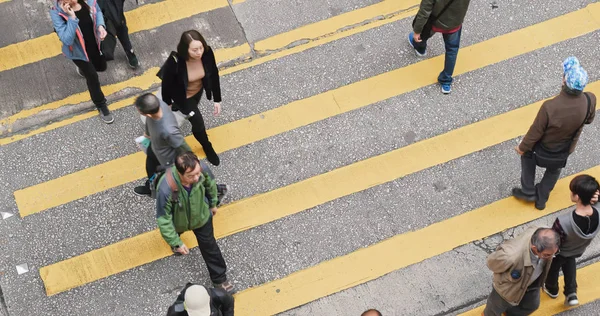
(574,240)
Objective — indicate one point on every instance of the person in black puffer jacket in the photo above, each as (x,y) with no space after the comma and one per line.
(196,300)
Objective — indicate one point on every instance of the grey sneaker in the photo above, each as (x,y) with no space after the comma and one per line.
(105,114)
(571,300)
(221,192)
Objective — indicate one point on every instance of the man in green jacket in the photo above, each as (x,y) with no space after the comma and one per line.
(440,16)
(187,200)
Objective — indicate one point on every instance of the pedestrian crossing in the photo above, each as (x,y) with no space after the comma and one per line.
(357,267)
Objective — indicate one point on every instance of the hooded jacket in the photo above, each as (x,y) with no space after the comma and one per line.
(70,34)
(573,240)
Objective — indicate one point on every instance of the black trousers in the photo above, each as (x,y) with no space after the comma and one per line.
(541,190)
(211,253)
(123,36)
(151,162)
(198,128)
(89,69)
(496,305)
(569,268)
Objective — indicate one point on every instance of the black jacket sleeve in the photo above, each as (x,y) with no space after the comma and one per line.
(223,300)
(169,79)
(210,66)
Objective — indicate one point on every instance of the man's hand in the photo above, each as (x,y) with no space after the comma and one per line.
(102,32)
(417,38)
(213,211)
(594,199)
(519,151)
(183,249)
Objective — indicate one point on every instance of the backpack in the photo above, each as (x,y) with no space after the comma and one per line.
(168,174)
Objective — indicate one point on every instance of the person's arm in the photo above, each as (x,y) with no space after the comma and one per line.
(498,261)
(210,187)
(169,80)
(164,219)
(224,300)
(99,17)
(536,131)
(65,29)
(592,114)
(423,15)
(211,64)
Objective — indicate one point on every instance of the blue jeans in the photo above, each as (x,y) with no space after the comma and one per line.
(452,43)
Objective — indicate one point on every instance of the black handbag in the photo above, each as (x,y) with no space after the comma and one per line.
(108,45)
(427,32)
(557,158)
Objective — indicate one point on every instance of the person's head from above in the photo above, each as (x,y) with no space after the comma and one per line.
(188,167)
(147,105)
(191,45)
(545,243)
(371,312)
(583,188)
(575,78)
(197,301)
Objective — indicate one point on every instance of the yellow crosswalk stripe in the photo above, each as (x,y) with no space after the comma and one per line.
(588,290)
(297,197)
(143,18)
(303,112)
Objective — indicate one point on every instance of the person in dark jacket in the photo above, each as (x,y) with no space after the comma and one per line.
(80,27)
(577,229)
(114,16)
(430,20)
(557,126)
(196,300)
(185,75)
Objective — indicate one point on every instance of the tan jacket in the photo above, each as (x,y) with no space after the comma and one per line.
(557,120)
(513,255)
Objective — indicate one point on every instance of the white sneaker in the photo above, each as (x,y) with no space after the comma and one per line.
(571,300)
(79,72)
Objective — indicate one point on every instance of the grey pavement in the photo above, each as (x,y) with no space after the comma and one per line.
(276,249)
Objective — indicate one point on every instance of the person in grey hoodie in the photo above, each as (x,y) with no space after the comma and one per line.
(577,230)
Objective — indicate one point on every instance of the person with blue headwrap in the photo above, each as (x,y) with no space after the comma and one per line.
(554,134)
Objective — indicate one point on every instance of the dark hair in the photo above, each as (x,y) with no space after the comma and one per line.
(371,310)
(184,43)
(585,186)
(545,238)
(147,103)
(185,161)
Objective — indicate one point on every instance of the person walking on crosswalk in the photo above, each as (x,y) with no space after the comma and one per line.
(554,133)
(440,16)
(196,300)
(185,75)
(80,27)
(114,16)
(187,200)
(520,266)
(577,229)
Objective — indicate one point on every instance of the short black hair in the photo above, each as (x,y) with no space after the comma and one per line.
(371,310)
(585,186)
(184,43)
(147,103)
(185,161)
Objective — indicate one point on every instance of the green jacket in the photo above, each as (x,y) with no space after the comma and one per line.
(191,212)
(452,18)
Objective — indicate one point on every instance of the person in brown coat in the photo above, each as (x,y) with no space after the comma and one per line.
(556,128)
(520,266)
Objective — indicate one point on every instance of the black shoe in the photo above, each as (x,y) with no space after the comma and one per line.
(213,158)
(571,300)
(221,192)
(132,60)
(142,190)
(518,193)
(540,205)
(552,294)
(105,114)
(227,286)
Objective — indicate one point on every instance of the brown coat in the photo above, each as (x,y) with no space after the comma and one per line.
(557,120)
(513,255)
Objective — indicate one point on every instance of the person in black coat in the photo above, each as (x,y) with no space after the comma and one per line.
(196,300)
(185,75)
(116,25)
